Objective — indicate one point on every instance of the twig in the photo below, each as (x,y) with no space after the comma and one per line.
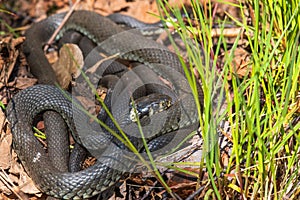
(227,32)
(11,186)
(189,153)
(192,196)
(52,38)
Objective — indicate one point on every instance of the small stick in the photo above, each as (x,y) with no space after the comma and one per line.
(11,186)
(227,32)
(61,25)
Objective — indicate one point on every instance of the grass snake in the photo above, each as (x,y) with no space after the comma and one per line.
(156,62)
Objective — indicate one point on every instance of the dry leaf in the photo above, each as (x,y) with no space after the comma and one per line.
(27,186)
(68,64)
(240,63)
(23,83)
(16,167)
(5,143)
(139,9)
(122,189)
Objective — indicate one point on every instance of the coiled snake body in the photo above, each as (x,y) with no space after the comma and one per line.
(167,127)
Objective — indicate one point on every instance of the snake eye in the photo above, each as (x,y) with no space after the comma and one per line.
(166,104)
(132,115)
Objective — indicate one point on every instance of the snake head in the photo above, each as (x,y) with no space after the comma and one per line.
(149,105)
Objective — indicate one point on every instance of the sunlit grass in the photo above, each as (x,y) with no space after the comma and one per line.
(263,103)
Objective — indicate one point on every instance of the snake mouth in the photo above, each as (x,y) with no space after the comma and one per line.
(149,105)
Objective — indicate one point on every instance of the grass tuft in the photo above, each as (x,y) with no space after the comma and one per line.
(262,106)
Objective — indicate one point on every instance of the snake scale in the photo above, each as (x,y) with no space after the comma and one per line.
(112,160)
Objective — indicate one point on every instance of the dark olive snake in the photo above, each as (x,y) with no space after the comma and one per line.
(156,62)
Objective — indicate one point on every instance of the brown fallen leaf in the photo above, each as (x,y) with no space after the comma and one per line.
(9,181)
(25,82)
(5,143)
(240,63)
(17,181)
(139,9)
(27,186)
(68,64)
